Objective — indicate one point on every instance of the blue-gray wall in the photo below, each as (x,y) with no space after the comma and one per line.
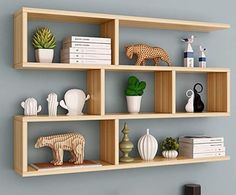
(215,178)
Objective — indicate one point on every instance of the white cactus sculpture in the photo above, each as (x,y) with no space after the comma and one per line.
(52,104)
(31,107)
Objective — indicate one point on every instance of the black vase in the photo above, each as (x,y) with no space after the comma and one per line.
(198,103)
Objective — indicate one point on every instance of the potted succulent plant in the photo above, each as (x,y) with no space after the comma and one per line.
(169,147)
(44,43)
(134,94)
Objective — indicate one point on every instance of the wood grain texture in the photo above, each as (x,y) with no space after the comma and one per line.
(111,30)
(95,88)
(138,163)
(218,92)
(109,141)
(163,92)
(20,146)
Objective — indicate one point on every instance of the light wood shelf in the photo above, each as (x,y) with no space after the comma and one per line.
(218,82)
(137,163)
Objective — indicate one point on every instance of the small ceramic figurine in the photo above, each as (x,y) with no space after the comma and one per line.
(202,57)
(126,145)
(73,142)
(188,53)
(198,103)
(52,104)
(31,107)
(189,106)
(74,101)
(145,52)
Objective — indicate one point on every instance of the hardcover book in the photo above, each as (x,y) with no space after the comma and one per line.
(201,139)
(85,56)
(86,61)
(87,39)
(201,155)
(87,45)
(80,50)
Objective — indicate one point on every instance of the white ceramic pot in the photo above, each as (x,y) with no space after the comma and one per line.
(133,103)
(44,55)
(74,101)
(147,146)
(170,153)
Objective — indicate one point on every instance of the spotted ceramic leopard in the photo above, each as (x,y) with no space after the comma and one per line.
(145,52)
(72,142)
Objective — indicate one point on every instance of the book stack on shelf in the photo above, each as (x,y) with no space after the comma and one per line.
(86,50)
(201,146)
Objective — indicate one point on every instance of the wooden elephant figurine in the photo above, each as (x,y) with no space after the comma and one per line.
(72,142)
(145,52)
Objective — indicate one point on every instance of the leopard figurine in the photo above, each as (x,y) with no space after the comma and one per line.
(145,52)
(72,142)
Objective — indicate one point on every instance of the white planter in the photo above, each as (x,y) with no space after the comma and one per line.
(147,146)
(44,55)
(133,103)
(170,153)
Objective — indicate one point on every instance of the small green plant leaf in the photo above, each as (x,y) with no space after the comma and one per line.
(135,87)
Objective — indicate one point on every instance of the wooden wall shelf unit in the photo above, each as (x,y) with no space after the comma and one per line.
(218,82)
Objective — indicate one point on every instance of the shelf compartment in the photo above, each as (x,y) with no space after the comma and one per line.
(108,142)
(137,163)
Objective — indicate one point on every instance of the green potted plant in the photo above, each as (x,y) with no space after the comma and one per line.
(169,147)
(134,92)
(44,43)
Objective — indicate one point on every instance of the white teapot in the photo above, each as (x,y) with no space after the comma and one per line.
(74,101)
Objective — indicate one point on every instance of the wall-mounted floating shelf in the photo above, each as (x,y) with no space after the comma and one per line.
(218,84)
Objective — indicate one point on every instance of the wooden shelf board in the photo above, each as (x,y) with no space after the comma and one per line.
(113,116)
(129,21)
(137,163)
(62,66)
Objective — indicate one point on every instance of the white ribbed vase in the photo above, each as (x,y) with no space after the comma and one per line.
(147,146)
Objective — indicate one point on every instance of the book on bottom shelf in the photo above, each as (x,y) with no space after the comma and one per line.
(200,139)
(199,148)
(201,155)
(66,165)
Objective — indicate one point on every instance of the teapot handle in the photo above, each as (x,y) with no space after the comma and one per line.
(63,105)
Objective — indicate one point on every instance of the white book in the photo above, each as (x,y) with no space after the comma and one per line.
(200,139)
(87,39)
(85,56)
(183,148)
(199,146)
(202,155)
(87,45)
(86,61)
(77,50)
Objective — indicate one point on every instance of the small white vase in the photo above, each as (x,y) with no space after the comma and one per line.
(133,103)
(44,55)
(170,153)
(147,146)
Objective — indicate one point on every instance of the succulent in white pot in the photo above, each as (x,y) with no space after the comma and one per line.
(134,92)
(44,43)
(169,148)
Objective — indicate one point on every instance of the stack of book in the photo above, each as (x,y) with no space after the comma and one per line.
(201,146)
(86,50)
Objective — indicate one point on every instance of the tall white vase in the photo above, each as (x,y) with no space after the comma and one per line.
(52,104)
(134,104)
(147,146)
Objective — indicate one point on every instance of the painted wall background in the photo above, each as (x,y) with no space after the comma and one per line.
(215,178)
